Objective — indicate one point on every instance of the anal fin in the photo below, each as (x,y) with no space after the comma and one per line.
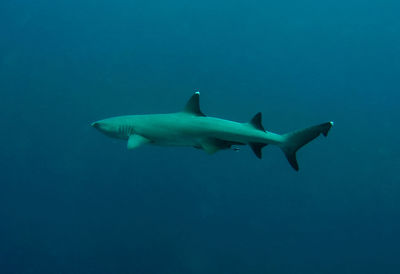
(256,147)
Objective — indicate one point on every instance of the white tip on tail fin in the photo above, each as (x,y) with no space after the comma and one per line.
(293,141)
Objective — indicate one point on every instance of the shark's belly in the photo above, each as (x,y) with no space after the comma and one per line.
(174,141)
(170,136)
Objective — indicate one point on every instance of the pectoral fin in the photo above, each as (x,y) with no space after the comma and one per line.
(136,140)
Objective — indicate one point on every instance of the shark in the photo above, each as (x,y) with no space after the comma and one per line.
(191,127)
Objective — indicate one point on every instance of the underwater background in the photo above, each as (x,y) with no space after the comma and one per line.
(75,201)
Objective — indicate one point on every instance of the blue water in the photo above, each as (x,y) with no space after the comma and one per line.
(74,201)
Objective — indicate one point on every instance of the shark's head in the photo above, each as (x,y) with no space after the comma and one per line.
(109,127)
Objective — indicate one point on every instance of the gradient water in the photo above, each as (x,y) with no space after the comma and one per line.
(74,201)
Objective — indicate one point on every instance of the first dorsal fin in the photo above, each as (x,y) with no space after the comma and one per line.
(193,105)
(256,122)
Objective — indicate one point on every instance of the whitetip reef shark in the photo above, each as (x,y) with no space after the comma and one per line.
(190,127)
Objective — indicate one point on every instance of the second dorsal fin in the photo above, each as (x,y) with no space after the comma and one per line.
(256,122)
(193,105)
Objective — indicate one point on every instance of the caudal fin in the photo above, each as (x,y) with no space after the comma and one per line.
(293,141)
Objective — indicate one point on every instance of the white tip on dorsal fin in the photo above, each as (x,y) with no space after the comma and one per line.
(193,105)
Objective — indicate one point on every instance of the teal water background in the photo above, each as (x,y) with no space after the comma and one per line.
(75,201)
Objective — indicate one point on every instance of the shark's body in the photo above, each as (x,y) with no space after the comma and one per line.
(191,127)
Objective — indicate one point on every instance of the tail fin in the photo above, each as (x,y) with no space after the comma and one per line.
(293,141)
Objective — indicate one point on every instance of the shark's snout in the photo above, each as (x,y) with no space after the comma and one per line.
(99,126)
(107,127)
